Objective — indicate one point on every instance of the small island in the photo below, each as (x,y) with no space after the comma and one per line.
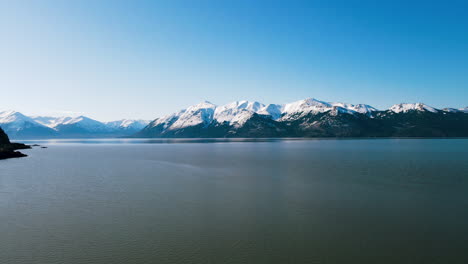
(9,149)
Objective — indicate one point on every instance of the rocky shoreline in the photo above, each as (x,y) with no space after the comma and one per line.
(9,149)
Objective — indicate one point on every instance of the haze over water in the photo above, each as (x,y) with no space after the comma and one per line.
(217,201)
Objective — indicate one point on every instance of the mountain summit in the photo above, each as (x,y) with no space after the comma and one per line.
(304,118)
(309,118)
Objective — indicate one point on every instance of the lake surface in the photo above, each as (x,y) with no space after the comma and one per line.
(215,201)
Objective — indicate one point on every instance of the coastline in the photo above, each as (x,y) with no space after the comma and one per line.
(9,150)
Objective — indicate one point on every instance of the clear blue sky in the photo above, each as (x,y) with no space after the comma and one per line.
(142,59)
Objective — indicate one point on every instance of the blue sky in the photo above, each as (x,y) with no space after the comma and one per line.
(143,59)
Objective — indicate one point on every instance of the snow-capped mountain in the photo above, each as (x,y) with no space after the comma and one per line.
(308,117)
(80,126)
(15,120)
(313,106)
(17,125)
(85,125)
(200,114)
(304,118)
(273,110)
(404,108)
(82,122)
(359,108)
(237,113)
(306,106)
(127,124)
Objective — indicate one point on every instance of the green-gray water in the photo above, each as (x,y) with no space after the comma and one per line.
(210,201)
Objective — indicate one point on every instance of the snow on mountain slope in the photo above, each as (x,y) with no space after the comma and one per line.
(82,122)
(306,106)
(359,108)
(464,109)
(404,107)
(303,107)
(452,110)
(166,120)
(17,125)
(237,113)
(44,120)
(195,115)
(127,124)
(16,120)
(273,110)
(67,123)
(84,126)
(53,122)
(90,124)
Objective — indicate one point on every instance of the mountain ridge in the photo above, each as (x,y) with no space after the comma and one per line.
(309,117)
(21,126)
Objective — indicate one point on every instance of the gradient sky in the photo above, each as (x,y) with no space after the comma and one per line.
(143,59)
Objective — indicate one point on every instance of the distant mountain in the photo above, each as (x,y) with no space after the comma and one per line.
(405,108)
(127,126)
(18,125)
(83,126)
(304,118)
(309,118)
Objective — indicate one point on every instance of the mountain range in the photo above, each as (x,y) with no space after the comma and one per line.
(305,118)
(309,118)
(19,126)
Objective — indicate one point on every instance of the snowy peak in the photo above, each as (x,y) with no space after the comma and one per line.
(405,107)
(82,122)
(167,120)
(15,121)
(202,105)
(15,124)
(127,124)
(306,106)
(47,121)
(273,110)
(359,108)
(237,113)
(91,125)
(251,106)
(200,114)
(307,118)
(11,116)
(65,123)
(310,105)
(51,122)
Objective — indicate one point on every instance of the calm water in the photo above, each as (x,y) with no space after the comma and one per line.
(273,201)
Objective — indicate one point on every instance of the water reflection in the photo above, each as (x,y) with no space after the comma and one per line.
(154,140)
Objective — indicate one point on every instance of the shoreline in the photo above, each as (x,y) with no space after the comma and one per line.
(9,150)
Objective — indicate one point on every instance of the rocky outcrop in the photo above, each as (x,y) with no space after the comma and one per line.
(9,149)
